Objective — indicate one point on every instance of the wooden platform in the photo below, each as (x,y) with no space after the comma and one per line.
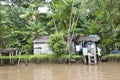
(9,52)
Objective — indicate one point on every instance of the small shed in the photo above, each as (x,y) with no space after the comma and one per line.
(86,41)
(89,47)
(41,45)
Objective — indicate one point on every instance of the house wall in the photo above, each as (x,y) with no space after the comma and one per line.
(44,48)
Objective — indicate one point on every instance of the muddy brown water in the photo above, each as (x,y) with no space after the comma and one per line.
(102,71)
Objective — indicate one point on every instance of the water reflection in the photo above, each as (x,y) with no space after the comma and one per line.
(104,71)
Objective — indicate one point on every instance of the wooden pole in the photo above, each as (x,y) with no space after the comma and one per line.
(69,35)
(1,59)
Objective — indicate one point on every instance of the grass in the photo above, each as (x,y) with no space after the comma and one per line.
(16,57)
(45,58)
(111,57)
(53,58)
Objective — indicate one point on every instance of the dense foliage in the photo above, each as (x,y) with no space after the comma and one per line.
(57,43)
(21,23)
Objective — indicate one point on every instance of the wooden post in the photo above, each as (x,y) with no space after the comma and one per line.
(1,59)
(84,59)
(19,54)
(10,57)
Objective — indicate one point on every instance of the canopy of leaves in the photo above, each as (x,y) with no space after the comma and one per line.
(21,23)
(57,43)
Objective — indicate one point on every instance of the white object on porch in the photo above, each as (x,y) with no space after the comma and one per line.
(85,51)
(99,50)
(77,47)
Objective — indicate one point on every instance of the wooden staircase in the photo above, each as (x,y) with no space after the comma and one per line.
(92,59)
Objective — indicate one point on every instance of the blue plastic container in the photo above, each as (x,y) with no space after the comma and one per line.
(115,52)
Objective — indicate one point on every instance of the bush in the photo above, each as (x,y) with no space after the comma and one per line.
(57,43)
(111,57)
(54,58)
(45,58)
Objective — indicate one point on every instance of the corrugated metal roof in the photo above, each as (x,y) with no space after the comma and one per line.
(41,39)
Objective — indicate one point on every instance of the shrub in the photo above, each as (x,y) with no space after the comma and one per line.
(111,57)
(57,43)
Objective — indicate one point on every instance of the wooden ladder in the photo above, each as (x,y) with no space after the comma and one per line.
(92,59)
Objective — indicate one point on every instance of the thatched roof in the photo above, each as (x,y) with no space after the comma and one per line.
(80,38)
(93,38)
(74,37)
(41,39)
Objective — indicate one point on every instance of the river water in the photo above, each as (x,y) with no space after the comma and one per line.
(102,71)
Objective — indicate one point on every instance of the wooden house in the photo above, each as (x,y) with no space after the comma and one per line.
(89,47)
(41,45)
(86,46)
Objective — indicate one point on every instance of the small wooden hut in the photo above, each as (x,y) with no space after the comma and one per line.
(89,48)
(86,46)
(85,41)
(41,45)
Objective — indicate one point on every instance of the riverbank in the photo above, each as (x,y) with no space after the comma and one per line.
(60,59)
(46,58)
(111,58)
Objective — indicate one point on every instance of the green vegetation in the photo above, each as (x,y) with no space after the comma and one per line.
(21,23)
(46,58)
(111,58)
(57,43)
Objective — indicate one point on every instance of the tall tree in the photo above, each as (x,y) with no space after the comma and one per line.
(103,19)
